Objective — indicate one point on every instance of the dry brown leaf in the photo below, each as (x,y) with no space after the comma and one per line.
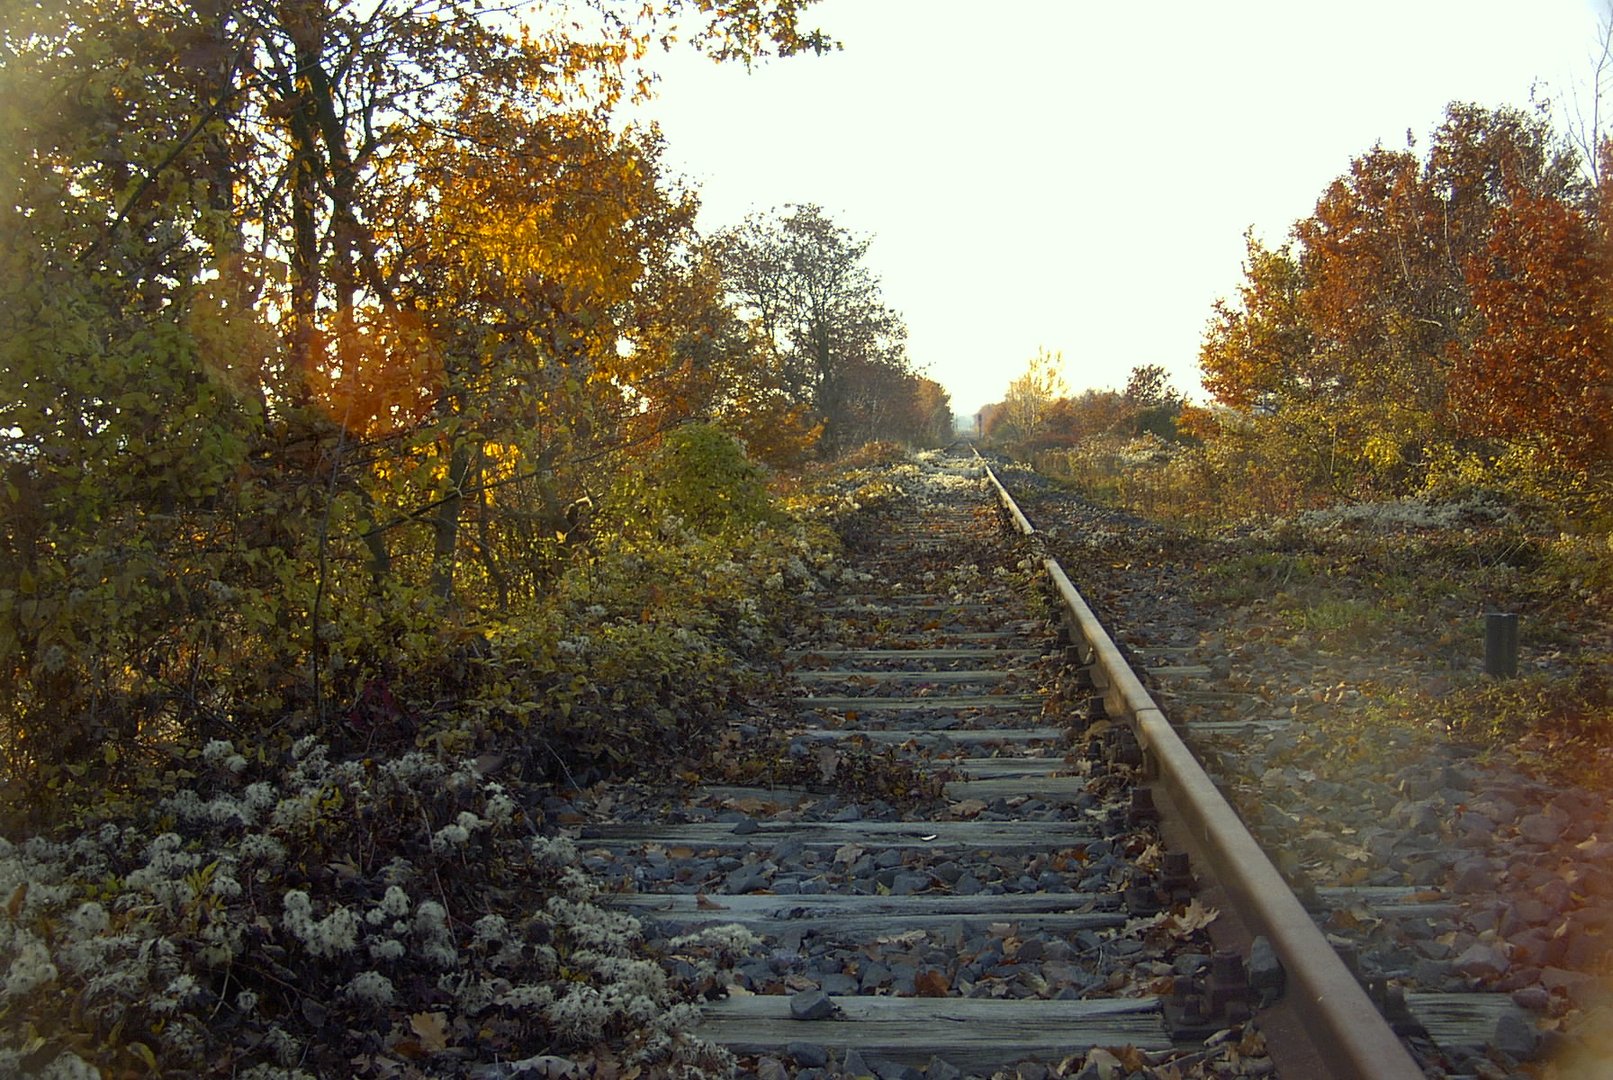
(1195,916)
(431,1028)
(1131,1059)
(932,982)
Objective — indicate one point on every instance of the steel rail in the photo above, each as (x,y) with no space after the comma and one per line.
(1339,1017)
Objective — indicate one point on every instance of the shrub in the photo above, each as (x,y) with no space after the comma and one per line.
(700,476)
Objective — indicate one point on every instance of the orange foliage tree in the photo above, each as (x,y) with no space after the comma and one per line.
(1351,350)
(1540,368)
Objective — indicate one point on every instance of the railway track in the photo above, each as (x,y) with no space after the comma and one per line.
(1078,896)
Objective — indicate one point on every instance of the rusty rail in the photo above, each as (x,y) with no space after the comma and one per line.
(1339,1017)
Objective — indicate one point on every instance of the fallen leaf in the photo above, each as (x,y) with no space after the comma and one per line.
(1131,1058)
(705,903)
(932,982)
(912,937)
(19,895)
(431,1028)
(829,758)
(1195,916)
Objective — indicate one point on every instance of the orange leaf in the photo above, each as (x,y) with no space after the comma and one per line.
(932,982)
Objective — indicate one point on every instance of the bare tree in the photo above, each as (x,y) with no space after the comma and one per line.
(1585,125)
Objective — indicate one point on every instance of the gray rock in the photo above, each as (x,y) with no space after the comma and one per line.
(1432,973)
(1434,949)
(1583,952)
(1480,960)
(746,878)
(905,884)
(941,1069)
(1533,998)
(875,976)
(1516,1036)
(848,813)
(1057,949)
(837,983)
(1424,872)
(756,972)
(1189,964)
(1541,829)
(1555,894)
(1573,983)
(811,1005)
(1473,876)
(895,1070)
(1265,969)
(745,827)
(1476,826)
(807,1055)
(770,1068)
(1425,818)
(788,848)
(854,1065)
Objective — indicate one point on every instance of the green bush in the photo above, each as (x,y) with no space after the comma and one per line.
(701,477)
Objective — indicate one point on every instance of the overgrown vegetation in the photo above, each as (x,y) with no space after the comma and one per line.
(380,445)
(335,338)
(385,891)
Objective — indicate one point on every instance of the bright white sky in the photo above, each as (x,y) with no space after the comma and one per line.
(1076,176)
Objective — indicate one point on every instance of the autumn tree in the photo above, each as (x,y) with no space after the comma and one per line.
(1087,415)
(262,356)
(1025,406)
(1341,341)
(1153,403)
(1539,371)
(929,413)
(802,283)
